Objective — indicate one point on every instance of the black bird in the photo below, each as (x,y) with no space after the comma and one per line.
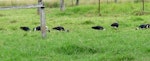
(25,28)
(59,28)
(38,28)
(143,26)
(147,25)
(115,25)
(98,28)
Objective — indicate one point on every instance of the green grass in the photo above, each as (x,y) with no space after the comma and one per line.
(80,44)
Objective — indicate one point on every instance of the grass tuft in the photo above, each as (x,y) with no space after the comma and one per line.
(148,50)
(125,58)
(1,15)
(88,22)
(13,21)
(13,28)
(76,49)
(2,29)
(137,19)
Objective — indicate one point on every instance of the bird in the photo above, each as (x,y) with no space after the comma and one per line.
(147,25)
(25,28)
(143,26)
(59,28)
(38,28)
(115,25)
(98,27)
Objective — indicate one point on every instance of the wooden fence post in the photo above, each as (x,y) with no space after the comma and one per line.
(42,19)
(38,10)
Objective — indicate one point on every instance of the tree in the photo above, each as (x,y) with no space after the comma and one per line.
(77,2)
(72,2)
(143,8)
(107,1)
(99,8)
(136,1)
(143,5)
(115,1)
(62,5)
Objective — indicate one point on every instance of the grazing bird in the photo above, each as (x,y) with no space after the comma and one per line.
(25,28)
(59,28)
(115,25)
(98,28)
(147,25)
(38,28)
(143,26)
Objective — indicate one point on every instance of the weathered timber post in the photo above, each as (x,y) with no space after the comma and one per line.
(62,5)
(42,19)
(38,10)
